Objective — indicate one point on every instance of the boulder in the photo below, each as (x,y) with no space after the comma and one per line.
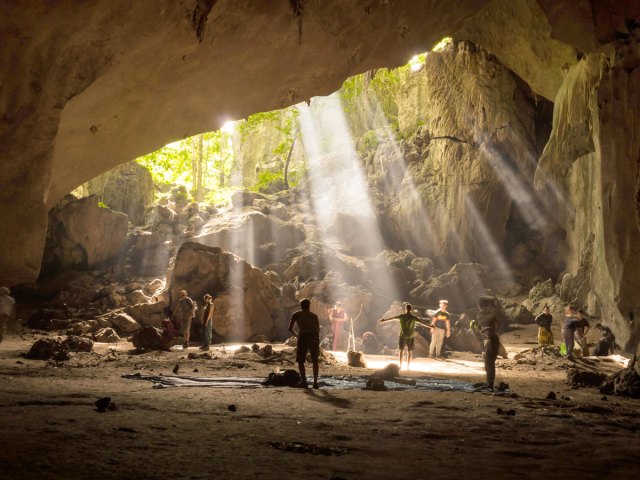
(137,296)
(148,314)
(125,323)
(356,359)
(246,302)
(541,291)
(83,235)
(229,231)
(75,343)
(422,267)
(520,315)
(149,338)
(106,335)
(46,348)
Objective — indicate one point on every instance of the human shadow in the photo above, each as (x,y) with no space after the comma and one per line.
(325,397)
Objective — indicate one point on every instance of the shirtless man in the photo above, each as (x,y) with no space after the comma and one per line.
(308,340)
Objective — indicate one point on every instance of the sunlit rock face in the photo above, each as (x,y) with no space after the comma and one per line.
(466,194)
(246,301)
(128,188)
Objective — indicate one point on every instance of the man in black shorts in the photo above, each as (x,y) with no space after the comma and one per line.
(308,339)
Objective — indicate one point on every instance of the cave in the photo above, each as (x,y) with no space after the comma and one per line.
(376,153)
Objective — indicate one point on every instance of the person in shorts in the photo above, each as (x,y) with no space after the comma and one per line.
(407,330)
(308,340)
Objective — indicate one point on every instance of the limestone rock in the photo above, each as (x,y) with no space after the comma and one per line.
(76,343)
(229,231)
(83,235)
(125,323)
(106,335)
(148,338)
(127,188)
(541,290)
(137,296)
(148,314)
(520,315)
(246,302)
(46,348)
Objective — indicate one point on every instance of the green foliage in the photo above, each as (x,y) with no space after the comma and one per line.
(369,142)
(268,182)
(101,204)
(173,164)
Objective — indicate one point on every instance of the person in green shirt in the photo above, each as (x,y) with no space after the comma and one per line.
(407,329)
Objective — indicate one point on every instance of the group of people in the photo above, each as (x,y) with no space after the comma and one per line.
(182,319)
(575,327)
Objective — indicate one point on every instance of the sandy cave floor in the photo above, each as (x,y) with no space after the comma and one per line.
(49,427)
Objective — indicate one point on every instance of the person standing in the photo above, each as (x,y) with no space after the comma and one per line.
(442,327)
(487,321)
(545,337)
(7,309)
(183,316)
(569,328)
(337,317)
(308,340)
(407,329)
(582,329)
(207,322)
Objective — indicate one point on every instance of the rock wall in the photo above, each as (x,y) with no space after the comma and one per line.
(246,302)
(459,187)
(595,149)
(127,188)
(83,235)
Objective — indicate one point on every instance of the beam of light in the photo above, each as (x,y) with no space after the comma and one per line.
(421,232)
(338,186)
(485,240)
(238,243)
(519,192)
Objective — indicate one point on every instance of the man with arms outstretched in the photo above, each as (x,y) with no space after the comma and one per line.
(407,329)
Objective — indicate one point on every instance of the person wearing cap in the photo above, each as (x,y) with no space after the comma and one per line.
(407,329)
(308,336)
(337,317)
(207,322)
(442,327)
(487,320)
(183,316)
